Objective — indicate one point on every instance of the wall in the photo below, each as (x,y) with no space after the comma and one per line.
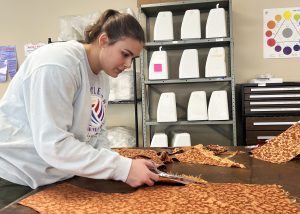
(36,20)
(248,42)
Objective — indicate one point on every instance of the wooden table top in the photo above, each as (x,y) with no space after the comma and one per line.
(257,172)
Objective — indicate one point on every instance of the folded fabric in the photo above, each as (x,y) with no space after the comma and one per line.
(282,148)
(191,154)
(140,153)
(200,155)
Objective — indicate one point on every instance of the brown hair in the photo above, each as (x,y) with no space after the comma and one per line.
(117,26)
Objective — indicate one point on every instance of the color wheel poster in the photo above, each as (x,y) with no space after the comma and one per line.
(281,33)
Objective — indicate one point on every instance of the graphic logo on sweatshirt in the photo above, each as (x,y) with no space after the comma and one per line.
(97,115)
(97,111)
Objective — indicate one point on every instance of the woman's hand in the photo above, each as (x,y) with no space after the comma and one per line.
(140,173)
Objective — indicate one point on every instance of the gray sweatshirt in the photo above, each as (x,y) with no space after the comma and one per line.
(50,119)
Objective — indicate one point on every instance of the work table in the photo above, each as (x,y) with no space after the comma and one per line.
(257,172)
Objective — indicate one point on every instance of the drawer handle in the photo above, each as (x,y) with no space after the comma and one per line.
(274,96)
(275,109)
(273,123)
(264,137)
(276,89)
(275,103)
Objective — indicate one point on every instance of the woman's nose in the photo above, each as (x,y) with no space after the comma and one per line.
(128,62)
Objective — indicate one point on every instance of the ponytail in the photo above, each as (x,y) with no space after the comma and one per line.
(117,26)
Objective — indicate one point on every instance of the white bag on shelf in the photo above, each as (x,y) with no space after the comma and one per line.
(122,87)
(116,137)
(218,106)
(181,139)
(166,109)
(189,64)
(72,27)
(159,140)
(158,66)
(216,23)
(163,26)
(197,107)
(215,63)
(191,25)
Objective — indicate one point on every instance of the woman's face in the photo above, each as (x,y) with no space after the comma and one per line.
(115,58)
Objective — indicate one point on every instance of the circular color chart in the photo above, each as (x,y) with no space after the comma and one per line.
(283,32)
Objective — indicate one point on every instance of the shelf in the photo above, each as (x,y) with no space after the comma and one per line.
(182,81)
(191,43)
(223,131)
(206,122)
(182,6)
(123,102)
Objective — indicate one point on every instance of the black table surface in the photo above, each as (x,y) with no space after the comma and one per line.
(257,172)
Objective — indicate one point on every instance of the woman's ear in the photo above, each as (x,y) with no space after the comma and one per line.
(102,40)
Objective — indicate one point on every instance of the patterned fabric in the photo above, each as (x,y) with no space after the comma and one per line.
(216,149)
(165,157)
(205,198)
(140,153)
(192,155)
(282,148)
(182,179)
(199,155)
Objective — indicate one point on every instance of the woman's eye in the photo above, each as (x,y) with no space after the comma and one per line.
(125,54)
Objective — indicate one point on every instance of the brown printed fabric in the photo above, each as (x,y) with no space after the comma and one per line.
(181,149)
(192,155)
(165,157)
(188,199)
(181,179)
(140,153)
(282,148)
(217,149)
(200,155)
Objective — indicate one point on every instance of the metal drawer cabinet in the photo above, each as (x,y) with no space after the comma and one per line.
(269,110)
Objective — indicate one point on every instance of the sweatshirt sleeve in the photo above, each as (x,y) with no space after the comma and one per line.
(49,95)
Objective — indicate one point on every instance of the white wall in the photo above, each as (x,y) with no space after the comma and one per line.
(36,20)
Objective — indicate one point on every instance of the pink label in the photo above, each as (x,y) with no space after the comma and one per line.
(157,67)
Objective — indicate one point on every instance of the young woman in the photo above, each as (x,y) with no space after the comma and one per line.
(54,108)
